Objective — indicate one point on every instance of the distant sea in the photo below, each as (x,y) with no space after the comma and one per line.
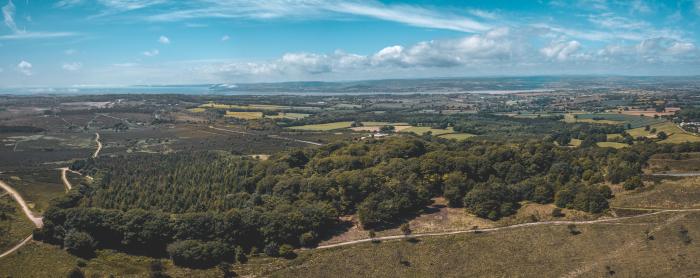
(207,90)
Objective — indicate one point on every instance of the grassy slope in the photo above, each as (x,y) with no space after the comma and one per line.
(676,135)
(541,251)
(14,229)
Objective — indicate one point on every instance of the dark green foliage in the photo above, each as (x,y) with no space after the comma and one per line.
(79,243)
(272,249)
(492,202)
(76,272)
(633,183)
(286,251)
(662,135)
(198,254)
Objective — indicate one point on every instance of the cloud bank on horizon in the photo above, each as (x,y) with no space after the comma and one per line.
(126,42)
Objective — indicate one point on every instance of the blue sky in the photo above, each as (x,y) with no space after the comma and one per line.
(127,42)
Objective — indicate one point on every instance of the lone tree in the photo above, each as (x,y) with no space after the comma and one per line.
(662,135)
(405,229)
(372,235)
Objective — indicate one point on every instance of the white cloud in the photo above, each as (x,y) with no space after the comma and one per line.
(25,68)
(151,53)
(483,14)
(70,52)
(74,66)
(225,38)
(164,40)
(561,51)
(8,13)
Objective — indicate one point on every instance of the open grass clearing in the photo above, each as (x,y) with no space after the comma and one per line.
(323,127)
(244,115)
(457,136)
(37,188)
(292,116)
(15,226)
(420,130)
(668,193)
(614,145)
(669,163)
(675,134)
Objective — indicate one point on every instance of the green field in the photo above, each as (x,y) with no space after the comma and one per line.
(420,130)
(675,134)
(614,145)
(457,136)
(615,119)
(293,116)
(323,127)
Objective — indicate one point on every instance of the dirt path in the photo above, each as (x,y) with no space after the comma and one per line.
(506,227)
(688,174)
(13,249)
(99,145)
(36,220)
(64,177)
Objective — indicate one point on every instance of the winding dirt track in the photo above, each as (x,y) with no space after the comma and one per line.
(36,220)
(64,177)
(505,228)
(99,145)
(13,249)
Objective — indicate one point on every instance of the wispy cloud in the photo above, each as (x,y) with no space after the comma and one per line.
(225,38)
(151,53)
(164,40)
(37,35)
(8,13)
(300,9)
(74,66)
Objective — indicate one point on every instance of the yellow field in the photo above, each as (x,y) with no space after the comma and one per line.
(420,130)
(614,145)
(457,136)
(323,127)
(675,134)
(244,115)
(197,110)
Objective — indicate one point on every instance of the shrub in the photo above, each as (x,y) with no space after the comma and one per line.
(633,183)
(198,254)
